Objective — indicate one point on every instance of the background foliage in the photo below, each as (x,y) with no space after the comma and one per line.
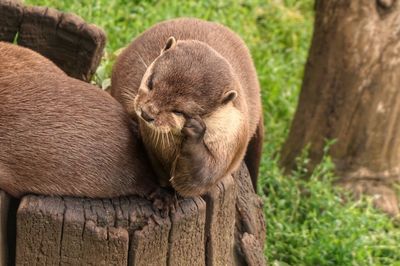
(307,222)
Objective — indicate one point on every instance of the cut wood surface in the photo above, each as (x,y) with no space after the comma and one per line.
(67,40)
(129,231)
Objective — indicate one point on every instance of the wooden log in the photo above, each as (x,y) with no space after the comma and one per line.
(252,250)
(66,39)
(129,231)
(88,235)
(221,222)
(150,238)
(69,231)
(73,231)
(248,206)
(39,230)
(187,238)
(250,227)
(4,207)
(10,18)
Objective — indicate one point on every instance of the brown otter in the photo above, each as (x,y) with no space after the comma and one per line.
(62,136)
(197,102)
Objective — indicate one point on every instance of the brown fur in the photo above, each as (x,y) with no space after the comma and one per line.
(61,136)
(22,60)
(199,129)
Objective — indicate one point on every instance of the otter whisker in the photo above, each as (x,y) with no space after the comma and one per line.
(168,134)
(153,136)
(130,101)
(158,135)
(128,95)
(172,139)
(166,139)
(141,59)
(162,140)
(159,138)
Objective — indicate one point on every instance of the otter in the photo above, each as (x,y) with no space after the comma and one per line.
(62,136)
(18,60)
(197,101)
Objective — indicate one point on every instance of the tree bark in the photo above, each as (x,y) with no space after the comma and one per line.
(350,93)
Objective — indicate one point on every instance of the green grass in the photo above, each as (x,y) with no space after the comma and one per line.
(307,222)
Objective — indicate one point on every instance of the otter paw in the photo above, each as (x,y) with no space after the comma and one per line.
(190,187)
(164,200)
(194,129)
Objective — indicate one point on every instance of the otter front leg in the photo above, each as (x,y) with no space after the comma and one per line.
(193,174)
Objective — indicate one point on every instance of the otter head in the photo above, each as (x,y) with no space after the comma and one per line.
(187,79)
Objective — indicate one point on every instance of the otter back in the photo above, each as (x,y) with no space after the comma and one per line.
(61,136)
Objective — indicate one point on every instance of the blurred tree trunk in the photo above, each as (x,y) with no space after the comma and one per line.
(351,93)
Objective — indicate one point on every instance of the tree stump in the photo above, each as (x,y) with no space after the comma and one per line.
(250,227)
(227,228)
(11,15)
(64,38)
(350,93)
(4,207)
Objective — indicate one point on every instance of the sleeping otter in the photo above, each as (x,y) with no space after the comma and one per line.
(197,102)
(62,136)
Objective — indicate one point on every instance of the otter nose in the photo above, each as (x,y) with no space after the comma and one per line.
(146,116)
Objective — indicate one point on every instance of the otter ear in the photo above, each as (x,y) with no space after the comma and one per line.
(171,42)
(229,96)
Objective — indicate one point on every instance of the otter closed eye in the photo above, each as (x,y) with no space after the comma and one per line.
(150,82)
(177,112)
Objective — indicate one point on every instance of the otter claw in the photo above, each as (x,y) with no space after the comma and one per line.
(164,201)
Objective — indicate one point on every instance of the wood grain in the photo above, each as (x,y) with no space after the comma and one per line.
(224,228)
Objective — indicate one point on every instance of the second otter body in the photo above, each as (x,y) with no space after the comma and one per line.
(197,102)
(62,136)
